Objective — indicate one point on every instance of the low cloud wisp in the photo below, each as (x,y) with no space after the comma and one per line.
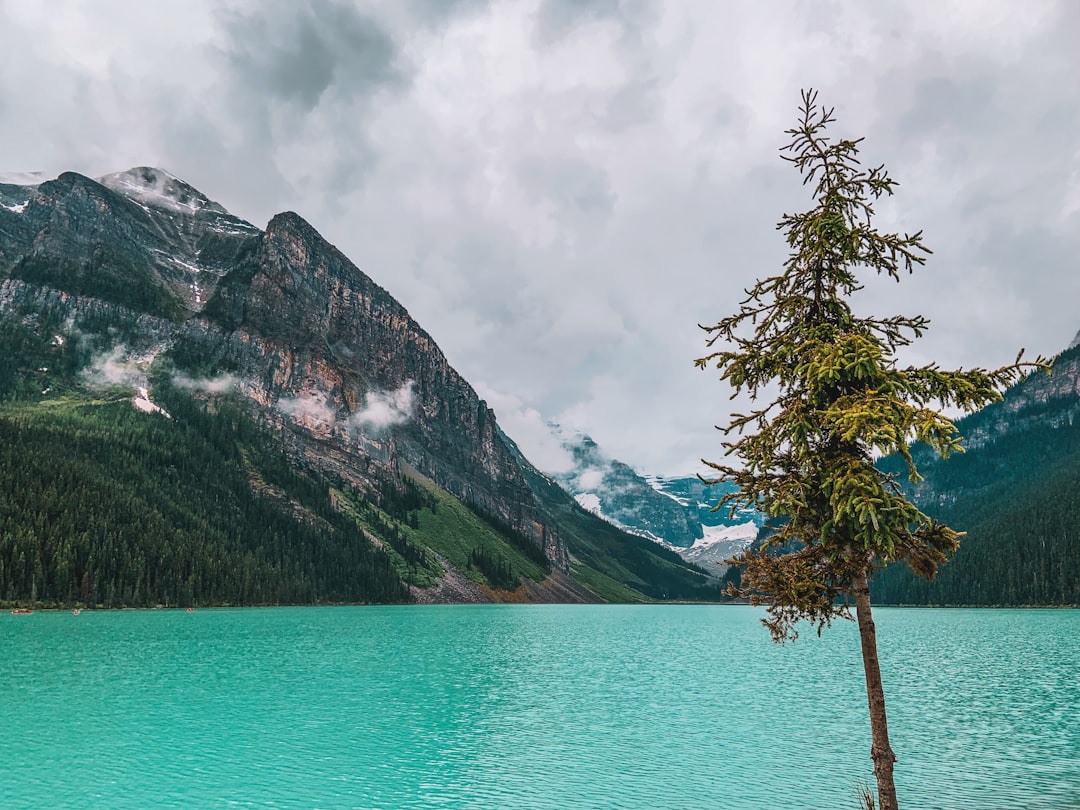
(211,385)
(385,409)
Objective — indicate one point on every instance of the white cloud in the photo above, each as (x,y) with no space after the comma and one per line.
(312,409)
(558,193)
(529,430)
(385,409)
(591,478)
(211,385)
(118,367)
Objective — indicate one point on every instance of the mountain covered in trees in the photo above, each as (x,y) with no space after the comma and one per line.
(1015,492)
(197,411)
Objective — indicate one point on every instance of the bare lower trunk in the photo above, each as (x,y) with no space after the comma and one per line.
(881,752)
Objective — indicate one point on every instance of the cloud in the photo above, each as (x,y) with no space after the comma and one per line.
(211,385)
(305,52)
(591,478)
(385,409)
(529,430)
(560,190)
(118,367)
(300,80)
(310,409)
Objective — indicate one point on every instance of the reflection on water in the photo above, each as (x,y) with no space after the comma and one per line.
(530,707)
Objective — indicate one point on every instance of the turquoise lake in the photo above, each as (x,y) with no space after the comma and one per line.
(530,707)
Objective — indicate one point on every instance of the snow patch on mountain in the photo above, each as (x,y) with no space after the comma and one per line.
(234,227)
(720,543)
(657,483)
(742,532)
(143,403)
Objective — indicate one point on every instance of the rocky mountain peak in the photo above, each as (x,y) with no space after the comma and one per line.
(158,188)
(290,223)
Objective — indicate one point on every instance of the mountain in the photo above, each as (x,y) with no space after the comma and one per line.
(676,512)
(1016,492)
(136,313)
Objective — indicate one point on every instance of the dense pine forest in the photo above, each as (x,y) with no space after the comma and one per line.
(103,505)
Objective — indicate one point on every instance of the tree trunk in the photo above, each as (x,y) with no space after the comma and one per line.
(881,752)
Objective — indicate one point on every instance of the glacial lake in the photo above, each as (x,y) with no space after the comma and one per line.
(562,707)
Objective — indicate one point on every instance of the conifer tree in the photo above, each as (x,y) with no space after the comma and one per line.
(835,397)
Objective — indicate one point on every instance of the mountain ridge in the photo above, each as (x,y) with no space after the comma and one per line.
(158,285)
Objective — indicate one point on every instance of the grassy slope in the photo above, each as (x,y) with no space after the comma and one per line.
(453,530)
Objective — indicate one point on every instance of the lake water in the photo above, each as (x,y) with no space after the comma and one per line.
(565,707)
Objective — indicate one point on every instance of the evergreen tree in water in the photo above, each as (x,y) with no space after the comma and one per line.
(835,398)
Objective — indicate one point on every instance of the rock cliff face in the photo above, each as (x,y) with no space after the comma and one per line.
(138,238)
(353,367)
(1040,400)
(279,315)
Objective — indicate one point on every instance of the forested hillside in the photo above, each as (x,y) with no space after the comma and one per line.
(1016,493)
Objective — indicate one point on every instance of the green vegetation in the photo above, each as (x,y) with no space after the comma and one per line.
(1017,497)
(456,532)
(412,562)
(496,570)
(103,505)
(608,589)
(107,274)
(808,454)
(32,362)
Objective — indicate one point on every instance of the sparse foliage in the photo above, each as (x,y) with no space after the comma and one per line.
(837,399)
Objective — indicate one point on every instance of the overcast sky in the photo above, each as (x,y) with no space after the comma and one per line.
(559,191)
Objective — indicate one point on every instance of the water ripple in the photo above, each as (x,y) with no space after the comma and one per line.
(539,707)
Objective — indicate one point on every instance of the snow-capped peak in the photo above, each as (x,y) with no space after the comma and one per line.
(160,189)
